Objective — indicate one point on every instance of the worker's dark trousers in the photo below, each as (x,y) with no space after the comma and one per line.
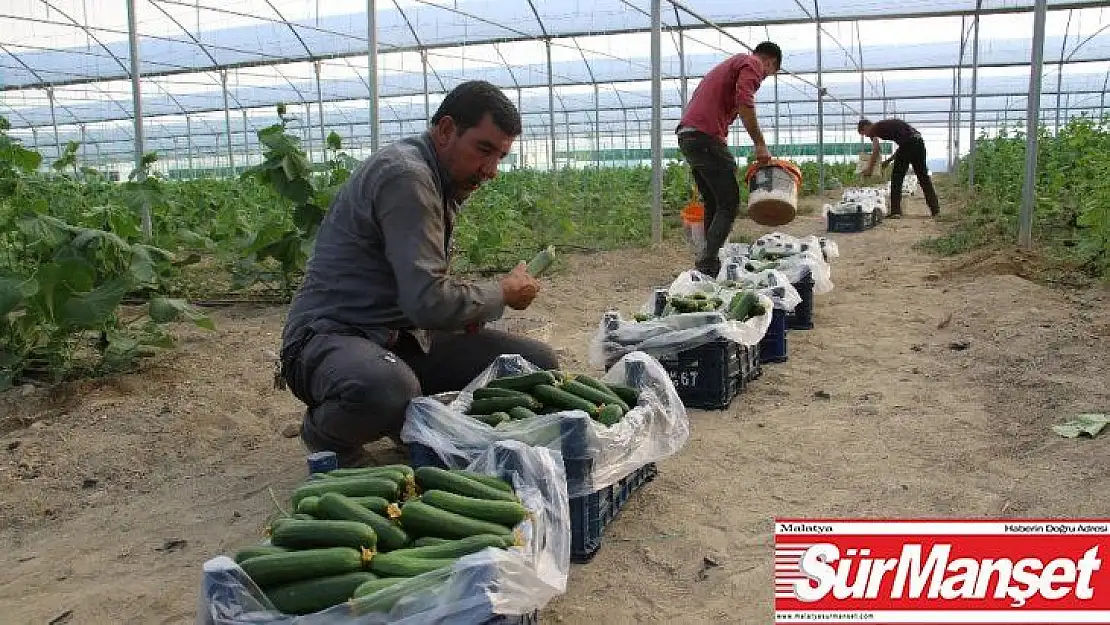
(715,174)
(912,154)
(357,391)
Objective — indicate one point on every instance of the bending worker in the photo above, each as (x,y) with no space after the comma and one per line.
(378,319)
(910,152)
(727,91)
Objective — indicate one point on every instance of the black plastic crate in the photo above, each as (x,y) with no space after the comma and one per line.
(773,347)
(802,316)
(711,375)
(590,515)
(849,222)
(707,376)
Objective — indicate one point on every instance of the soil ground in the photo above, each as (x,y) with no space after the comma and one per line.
(927,389)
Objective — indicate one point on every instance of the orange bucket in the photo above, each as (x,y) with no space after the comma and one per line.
(693,223)
(773,192)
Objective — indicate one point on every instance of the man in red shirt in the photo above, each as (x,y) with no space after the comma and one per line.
(727,91)
(910,152)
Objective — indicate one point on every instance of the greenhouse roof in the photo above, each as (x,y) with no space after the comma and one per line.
(65,65)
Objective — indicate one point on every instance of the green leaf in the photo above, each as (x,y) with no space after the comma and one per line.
(165,310)
(92,310)
(13,291)
(1089,424)
(335,142)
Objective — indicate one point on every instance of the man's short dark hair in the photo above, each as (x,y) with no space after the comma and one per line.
(469,102)
(770,49)
(863,124)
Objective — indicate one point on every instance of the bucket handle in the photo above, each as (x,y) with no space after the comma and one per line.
(791,168)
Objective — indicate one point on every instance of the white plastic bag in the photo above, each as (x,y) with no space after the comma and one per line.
(479,586)
(595,455)
(663,337)
(770,282)
(798,258)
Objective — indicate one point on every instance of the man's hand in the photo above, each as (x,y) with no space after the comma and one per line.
(886,163)
(762,154)
(518,289)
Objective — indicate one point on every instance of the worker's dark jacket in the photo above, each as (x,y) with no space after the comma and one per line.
(382,252)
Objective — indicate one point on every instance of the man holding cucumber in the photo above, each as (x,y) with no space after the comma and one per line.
(725,93)
(379,320)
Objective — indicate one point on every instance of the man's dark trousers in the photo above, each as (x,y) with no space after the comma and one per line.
(714,171)
(357,391)
(912,154)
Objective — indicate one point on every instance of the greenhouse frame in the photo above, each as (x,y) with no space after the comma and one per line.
(598,84)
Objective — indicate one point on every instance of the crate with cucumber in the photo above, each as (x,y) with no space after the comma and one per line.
(515,397)
(741,306)
(355,535)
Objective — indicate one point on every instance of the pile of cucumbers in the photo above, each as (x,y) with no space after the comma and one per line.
(742,306)
(357,533)
(522,396)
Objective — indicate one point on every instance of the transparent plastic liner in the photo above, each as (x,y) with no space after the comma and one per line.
(770,282)
(796,257)
(478,587)
(655,429)
(664,337)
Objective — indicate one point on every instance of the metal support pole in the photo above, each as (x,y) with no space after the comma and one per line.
(137,106)
(54,122)
(550,102)
(308,130)
(246,139)
(683,81)
(427,103)
(820,105)
(776,110)
(372,67)
(227,123)
(519,109)
(84,145)
(657,121)
(1060,71)
(189,143)
(974,97)
(597,129)
(957,116)
(320,113)
(1029,185)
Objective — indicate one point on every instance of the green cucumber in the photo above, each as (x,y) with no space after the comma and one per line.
(520,412)
(507,513)
(375,597)
(257,550)
(458,548)
(281,568)
(488,480)
(302,516)
(435,478)
(421,519)
(591,394)
(552,396)
(494,419)
(427,541)
(397,564)
(523,382)
(341,507)
(352,486)
(309,505)
(630,395)
(322,533)
(488,392)
(313,595)
(374,585)
(541,262)
(403,468)
(742,305)
(610,415)
(491,405)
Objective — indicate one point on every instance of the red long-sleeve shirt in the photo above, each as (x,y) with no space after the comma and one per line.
(717,100)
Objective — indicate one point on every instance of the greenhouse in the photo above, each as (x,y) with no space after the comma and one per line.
(177,175)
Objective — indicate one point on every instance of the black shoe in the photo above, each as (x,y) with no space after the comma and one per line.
(934,211)
(346,457)
(897,215)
